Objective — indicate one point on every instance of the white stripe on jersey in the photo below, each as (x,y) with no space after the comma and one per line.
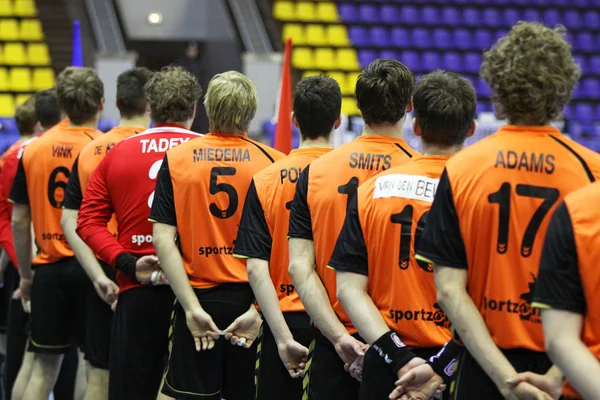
(406,186)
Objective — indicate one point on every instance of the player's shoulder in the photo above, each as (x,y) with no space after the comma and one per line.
(581,199)
(275,154)
(588,156)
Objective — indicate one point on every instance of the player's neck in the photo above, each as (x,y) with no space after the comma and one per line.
(92,124)
(435,150)
(320,142)
(395,131)
(141,121)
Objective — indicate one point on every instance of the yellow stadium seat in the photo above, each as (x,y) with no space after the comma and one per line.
(38,54)
(31,29)
(7,105)
(306,74)
(6,8)
(3,80)
(25,8)
(283,10)
(347,60)
(21,98)
(14,54)
(337,35)
(327,12)
(351,81)
(340,77)
(293,31)
(9,29)
(43,78)
(20,79)
(325,59)
(302,58)
(349,106)
(305,11)
(315,35)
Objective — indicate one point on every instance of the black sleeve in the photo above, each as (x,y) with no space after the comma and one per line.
(559,283)
(350,252)
(163,206)
(442,242)
(254,238)
(18,192)
(300,222)
(73,195)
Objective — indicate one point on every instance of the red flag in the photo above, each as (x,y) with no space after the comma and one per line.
(283,131)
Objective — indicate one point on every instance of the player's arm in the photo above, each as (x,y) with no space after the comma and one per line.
(306,280)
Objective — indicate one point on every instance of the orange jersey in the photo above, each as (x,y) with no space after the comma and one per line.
(325,189)
(569,275)
(491,214)
(200,189)
(41,182)
(383,223)
(265,221)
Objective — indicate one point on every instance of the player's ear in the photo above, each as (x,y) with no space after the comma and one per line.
(101,105)
(472,128)
(38,127)
(294,120)
(416,128)
(409,106)
(338,122)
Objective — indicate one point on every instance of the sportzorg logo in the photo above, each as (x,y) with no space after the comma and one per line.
(523,308)
(435,315)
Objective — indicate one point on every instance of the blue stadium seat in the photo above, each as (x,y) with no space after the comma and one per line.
(482,106)
(368,13)
(584,112)
(411,59)
(567,111)
(430,15)
(358,35)
(483,39)
(591,19)
(452,62)
(471,16)
(572,19)
(400,37)
(578,91)
(531,14)
(390,14)
(380,37)
(598,112)
(410,15)
(491,17)
(348,12)
(591,88)
(581,61)
(442,38)
(431,60)
(472,62)
(584,41)
(521,2)
(499,34)
(483,89)
(451,16)
(462,39)
(552,17)
(389,54)
(594,63)
(510,16)
(421,38)
(366,57)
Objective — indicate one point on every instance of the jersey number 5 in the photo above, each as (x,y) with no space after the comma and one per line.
(502,198)
(229,190)
(54,183)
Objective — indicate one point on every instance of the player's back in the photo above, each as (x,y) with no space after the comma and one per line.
(210,178)
(332,180)
(275,187)
(505,188)
(392,209)
(47,164)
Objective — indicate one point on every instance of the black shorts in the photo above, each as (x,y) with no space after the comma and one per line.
(472,383)
(58,307)
(11,283)
(226,371)
(99,319)
(378,379)
(139,344)
(273,382)
(326,378)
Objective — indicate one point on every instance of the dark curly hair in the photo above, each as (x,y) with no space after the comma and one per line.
(532,73)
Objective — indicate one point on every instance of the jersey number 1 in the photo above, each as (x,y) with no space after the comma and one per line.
(502,198)
(405,220)
(54,183)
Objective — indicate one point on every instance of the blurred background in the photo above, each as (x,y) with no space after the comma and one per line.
(338,38)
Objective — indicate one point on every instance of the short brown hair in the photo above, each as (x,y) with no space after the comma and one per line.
(131,99)
(80,92)
(383,91)
(531,72)
(444,104)
(317,105)
(231,101)
(172,94)
(25,117)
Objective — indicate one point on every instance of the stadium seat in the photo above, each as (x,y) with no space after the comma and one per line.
(411,59)
(305,11)
(491,17)
(430,15)
(483,89)
(324,59)
(347,60)
(349,106)
(421,38)
(3,80)
(20,79)
(302,58)
(340,77)
(472,62)
(584,41)
(295,32)
(25,8)
(410,15)
(351,79)
(38,54)
(369,13)
(400,37)
(552,17)
(483,39)
(531,15)
(390,14)
(584,112)
(366,57)
(594,63)
(6,8)
(591,88)
(591,19)
(499,34)
(510,16)
(21,98)
(14,54)
(9,29)
(315,35)
(308,73)
(327,12)
(431,60)
(283,10)
(380,36)
(359,36)
(7,105)
(462,39)
(452,62)
(337,35)
(389,54)
(482,107)
(581,61)
(572,19)
(348,12)
(451,16)
(442,38)
(31,30)
(471,16)
(43,78)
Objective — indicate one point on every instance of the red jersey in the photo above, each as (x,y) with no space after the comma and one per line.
(124,184)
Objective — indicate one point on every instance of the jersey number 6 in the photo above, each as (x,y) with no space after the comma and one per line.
(54,183)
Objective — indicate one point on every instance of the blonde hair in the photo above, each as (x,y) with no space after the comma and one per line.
(531,72)
(230,103)
(25,117)
(80,92)
(172,94)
